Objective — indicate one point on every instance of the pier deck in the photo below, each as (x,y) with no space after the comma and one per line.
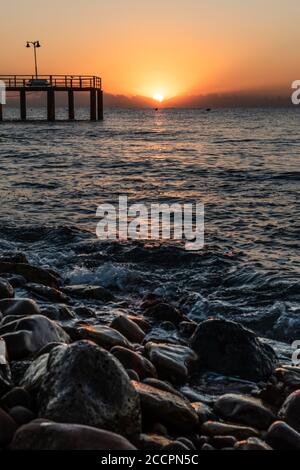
(51,84)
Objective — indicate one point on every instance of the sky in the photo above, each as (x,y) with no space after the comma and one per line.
(158,47)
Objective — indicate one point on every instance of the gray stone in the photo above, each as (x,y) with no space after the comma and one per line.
(128,328)
(290,410)
(166,407)
(84,384)
(131,360)
(46,435)
(228,348)
(282,437)
(245,410)
(29,334)
(173,362)
(6,290)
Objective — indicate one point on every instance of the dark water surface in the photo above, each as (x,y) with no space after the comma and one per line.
(242,164)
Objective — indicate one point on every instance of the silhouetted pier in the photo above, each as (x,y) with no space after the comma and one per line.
(52,84)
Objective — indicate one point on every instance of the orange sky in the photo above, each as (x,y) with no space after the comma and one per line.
(171,47)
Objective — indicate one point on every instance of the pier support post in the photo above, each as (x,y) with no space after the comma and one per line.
(51,105)
(23,110)
(93,104)
(1,112)
(100,104)
(71,104)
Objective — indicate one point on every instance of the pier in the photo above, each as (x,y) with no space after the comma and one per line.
(52,84)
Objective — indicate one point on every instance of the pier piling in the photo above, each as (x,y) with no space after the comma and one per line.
(23,110)
(71,105)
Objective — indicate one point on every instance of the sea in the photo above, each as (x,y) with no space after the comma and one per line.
(242,164)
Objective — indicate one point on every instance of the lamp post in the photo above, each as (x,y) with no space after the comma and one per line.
(35,44)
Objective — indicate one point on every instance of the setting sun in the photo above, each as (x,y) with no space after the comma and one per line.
(158,97)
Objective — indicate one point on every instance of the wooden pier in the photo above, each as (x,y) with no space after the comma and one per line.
(52,84)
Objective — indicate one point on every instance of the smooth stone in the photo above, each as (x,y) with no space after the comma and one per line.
(189,444)
(13,257)
(131,360)
(58,313)
(46,435)
(133,375)
(153,442)
(21,415)
(204,412)
(173,362)
(89,292)
(166,407)
(290,410)
(281,436)
(98,392)
(223,441)
(18,396)
(207,447)
(253,443)
(162,385)
(244,409)
(164,312)
(141,322)
(187,328)
(8,428)
(16,281)
(214,428)
(103,336)
(289,376)
(31,273)
(30,334)
(128,328)
(6,290)
(176,446)
(5,372)
(19,307)
(228,348)
(48,293)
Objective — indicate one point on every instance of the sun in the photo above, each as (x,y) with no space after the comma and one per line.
(158,97)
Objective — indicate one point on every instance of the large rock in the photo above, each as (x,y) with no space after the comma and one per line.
(128,328)
(46,435)
(244,409)
(31,273)
(6,290)
(19,307)
(5,373)
(228,348)
(89,292)
(84,384)
(103,336)
(134,361)
(290,410)
(30,334)
(282,437)
(173,362)
(166,408)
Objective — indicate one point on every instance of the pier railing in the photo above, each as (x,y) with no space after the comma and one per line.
(55,81)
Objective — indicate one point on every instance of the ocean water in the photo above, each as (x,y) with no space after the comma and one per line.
(242,164)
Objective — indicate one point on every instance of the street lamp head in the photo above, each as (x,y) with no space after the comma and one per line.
(38,44)
(28,45)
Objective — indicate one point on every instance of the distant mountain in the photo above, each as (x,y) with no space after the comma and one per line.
(275,98)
